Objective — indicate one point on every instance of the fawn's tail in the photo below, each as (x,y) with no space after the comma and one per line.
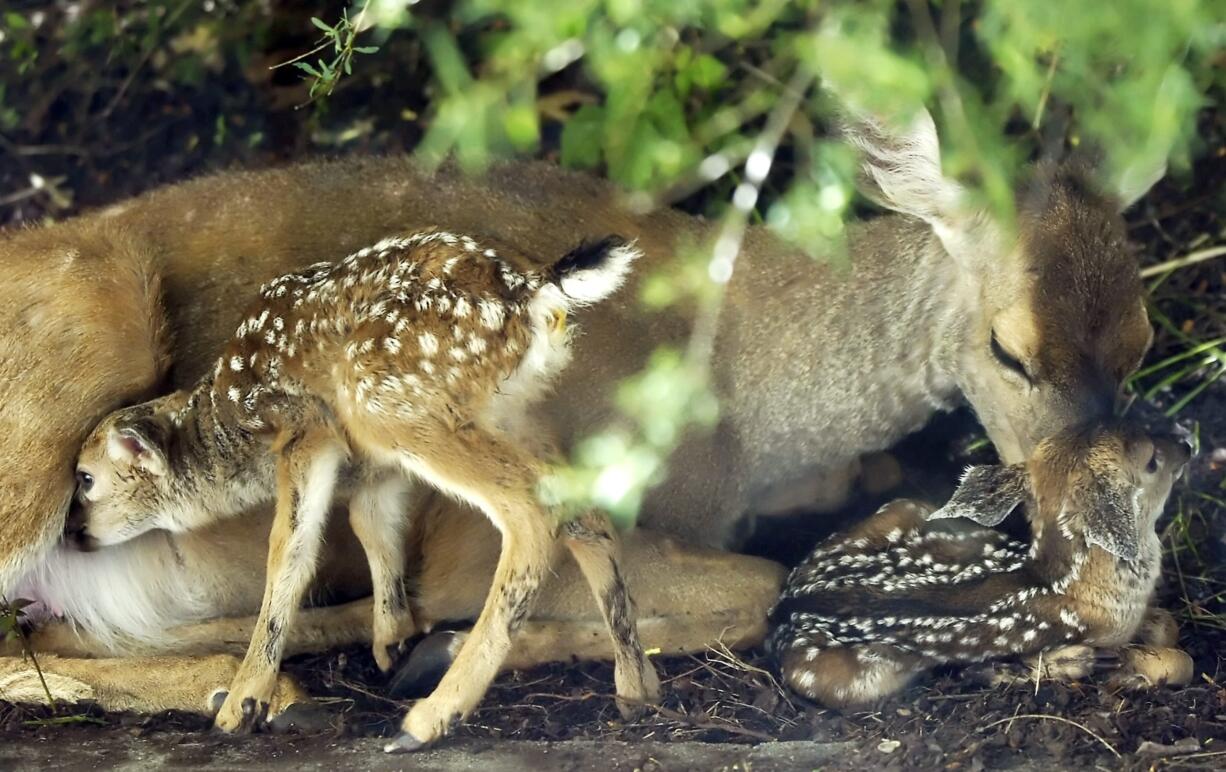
(593,270)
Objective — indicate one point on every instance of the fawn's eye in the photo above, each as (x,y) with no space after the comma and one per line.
(85,481)
(1007,360)
(1152,466)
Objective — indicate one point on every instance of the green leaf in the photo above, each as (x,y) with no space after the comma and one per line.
(520,123)
(707,72)
(366,49)
(323,25)
(308,69)
(582,138)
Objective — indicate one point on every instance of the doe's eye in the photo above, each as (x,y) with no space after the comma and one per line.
(85,480)
(1007,360)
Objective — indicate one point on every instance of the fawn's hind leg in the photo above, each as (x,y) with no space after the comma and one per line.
(477,466)
(596,549)
(307,467)
(379,519)
(849,676)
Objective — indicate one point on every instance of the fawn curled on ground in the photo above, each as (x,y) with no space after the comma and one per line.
(876,606)
(403,361)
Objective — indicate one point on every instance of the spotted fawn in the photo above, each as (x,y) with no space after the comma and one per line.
(404,361)
(874,607)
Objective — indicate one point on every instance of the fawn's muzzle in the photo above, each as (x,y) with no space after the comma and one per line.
(75,533)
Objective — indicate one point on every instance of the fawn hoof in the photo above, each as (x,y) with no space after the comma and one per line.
(301,717)
(404,743)
(1145,667)
(426,665)
(250,716)
(217,700)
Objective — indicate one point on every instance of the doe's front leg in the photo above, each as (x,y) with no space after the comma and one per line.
(307,467)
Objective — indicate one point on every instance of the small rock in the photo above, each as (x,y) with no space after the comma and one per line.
(1178,748)
(888,746)
(904,712)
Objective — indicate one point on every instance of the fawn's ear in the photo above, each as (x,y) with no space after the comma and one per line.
(900,169)
(987,494)
(139,442)
(1109,515)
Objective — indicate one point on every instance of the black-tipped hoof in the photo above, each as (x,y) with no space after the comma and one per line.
(425,667)
(219,699)
(255,715)
(304,717)
(404,743)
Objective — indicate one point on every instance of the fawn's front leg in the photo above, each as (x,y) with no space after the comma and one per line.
(307,467)
(475,465)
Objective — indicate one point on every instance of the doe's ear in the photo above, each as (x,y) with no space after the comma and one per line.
(987,494)
(1110,516)
(900,169)
(139,443)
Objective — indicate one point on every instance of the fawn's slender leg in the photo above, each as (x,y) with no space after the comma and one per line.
(379,519)
(493,474)
(596,549)
(307,466)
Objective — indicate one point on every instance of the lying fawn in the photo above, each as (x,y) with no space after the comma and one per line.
(398,362)
(874,607)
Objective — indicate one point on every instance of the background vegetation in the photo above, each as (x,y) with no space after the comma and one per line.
(721,107)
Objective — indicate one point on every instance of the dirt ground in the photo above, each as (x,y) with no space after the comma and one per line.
(720,711)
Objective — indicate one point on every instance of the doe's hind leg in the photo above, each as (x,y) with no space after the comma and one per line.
(593,543)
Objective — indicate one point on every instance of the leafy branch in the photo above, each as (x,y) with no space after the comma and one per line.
(342,39)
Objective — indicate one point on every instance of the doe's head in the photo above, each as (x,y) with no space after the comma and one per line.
(1051,317)
(1101,484)
(125,481)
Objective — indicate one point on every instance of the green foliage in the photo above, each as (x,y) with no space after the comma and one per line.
(342,39)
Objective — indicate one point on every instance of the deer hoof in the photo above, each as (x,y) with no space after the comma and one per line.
(426,665)
(404,743)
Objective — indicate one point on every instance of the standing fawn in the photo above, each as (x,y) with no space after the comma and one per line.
(876,606)
(401,361)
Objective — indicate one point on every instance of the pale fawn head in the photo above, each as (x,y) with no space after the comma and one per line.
(134,474)
(1052,318)
(1098,485)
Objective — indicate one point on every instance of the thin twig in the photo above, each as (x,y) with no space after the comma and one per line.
(1061,719)
(709,723)
(1176,263)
